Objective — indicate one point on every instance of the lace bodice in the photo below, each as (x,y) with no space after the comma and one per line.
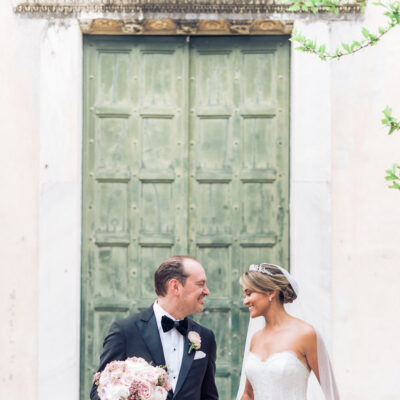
(282,376)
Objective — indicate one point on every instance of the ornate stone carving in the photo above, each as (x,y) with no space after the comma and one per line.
(163,26)
(167,26)
(213,26)
(106,26)
(182,7)
(270,27)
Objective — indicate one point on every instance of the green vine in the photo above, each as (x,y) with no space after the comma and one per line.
(391,122)
(316,6)
(392,12)
(393,174)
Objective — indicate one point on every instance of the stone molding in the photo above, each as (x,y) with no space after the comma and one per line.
(252,7)
(167,26)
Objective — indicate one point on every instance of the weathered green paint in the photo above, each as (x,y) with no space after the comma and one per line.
(186,148)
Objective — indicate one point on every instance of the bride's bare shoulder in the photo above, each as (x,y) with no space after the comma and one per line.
(305,330)
(257,335)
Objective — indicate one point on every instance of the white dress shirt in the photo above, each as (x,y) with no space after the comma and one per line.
(172,343)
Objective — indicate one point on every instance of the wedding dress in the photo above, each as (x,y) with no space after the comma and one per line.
(282,376)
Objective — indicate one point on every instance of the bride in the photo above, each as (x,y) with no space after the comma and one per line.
(283,350)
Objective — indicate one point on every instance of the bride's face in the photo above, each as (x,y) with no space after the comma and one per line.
(257,302)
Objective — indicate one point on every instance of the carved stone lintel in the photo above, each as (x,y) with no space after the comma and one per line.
(65,8)
(167,26)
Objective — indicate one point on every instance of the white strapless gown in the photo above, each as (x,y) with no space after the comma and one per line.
(282,376)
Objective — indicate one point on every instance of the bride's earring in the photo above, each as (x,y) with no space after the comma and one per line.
(270,299)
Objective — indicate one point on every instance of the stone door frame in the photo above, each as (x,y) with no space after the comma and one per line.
(61,179)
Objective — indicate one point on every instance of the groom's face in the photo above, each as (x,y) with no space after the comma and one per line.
(195,289)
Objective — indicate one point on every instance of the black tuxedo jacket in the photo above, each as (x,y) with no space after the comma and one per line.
(138,336)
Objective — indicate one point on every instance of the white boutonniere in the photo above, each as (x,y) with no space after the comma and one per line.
(195,341)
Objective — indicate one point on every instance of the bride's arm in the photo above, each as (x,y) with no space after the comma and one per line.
(248,392)
(318,359)
(310,345)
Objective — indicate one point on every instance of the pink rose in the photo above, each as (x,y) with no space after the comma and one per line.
(145,390)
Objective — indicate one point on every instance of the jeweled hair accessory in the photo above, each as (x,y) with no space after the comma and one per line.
(263,268)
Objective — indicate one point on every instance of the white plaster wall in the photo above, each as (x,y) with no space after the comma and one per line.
(310,194)
(344,220)
(40,155)
(60,210)
(310,207)
(365,217)
(19,177)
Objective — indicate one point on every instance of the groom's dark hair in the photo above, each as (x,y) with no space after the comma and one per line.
(171,268)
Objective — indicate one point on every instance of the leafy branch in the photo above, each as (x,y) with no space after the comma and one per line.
(370,39)
(391,122)
(392,12)
(315,6)
(393,174)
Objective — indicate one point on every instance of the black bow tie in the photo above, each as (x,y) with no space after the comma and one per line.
(168,323)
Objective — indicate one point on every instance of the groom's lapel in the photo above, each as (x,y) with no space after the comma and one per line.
(149,330)
(187,359)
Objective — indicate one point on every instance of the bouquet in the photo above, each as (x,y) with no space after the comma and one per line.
(132,379)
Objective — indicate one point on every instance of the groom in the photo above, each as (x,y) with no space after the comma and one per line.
(160,333)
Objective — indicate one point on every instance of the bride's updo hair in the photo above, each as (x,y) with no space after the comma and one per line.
(270,280)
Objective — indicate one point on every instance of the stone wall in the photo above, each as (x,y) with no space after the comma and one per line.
(19,203)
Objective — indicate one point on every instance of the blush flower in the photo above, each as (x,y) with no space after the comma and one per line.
(132,379)
(145,390)
(195,341)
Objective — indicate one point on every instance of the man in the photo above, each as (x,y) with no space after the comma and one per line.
(160,333)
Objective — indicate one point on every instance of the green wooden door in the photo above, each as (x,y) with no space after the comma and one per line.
(186,147)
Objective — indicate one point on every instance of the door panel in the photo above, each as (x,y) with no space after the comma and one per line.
(186,149)
(134,213)
(238,188)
